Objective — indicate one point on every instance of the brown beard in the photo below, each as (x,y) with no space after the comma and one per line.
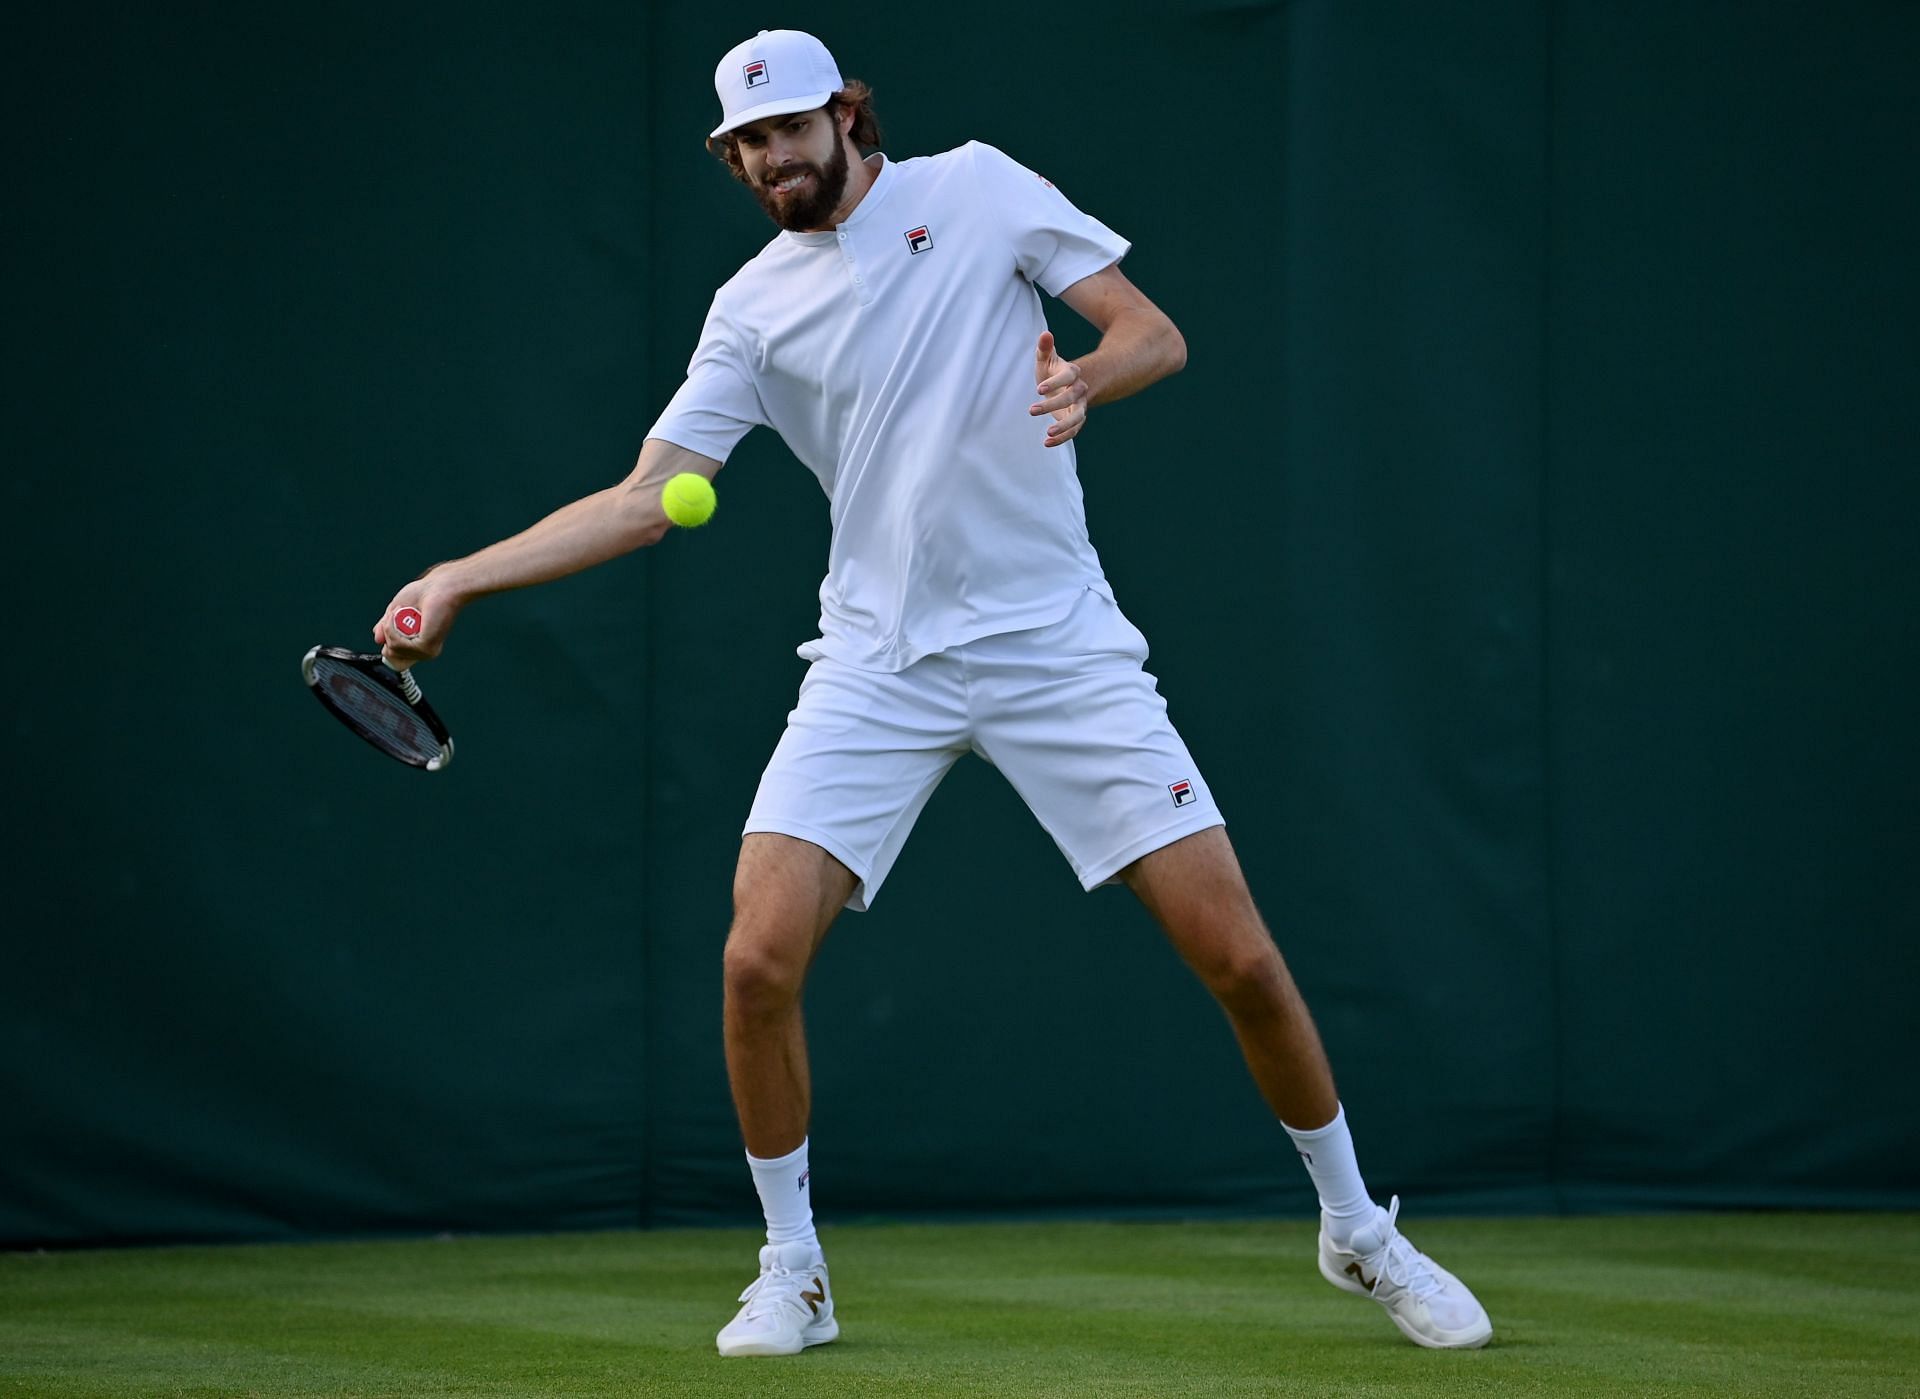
(813,207)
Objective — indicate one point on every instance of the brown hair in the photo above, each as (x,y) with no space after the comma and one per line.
(865,130)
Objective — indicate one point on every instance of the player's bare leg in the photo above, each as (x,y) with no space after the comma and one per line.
(786,894)
(1196,890)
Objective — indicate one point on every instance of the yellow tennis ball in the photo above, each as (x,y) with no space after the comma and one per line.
(688,499)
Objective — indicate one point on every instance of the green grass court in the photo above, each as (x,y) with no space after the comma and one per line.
(1684,1304)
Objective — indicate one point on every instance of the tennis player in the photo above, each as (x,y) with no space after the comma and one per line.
(892,333)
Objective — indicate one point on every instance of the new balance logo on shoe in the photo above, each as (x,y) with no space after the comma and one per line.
(816,1297)
(1353,1270)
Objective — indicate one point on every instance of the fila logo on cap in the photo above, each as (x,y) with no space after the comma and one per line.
(756,72)
(918,239)
(1182,792)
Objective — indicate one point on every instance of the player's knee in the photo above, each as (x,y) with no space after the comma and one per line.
(759,978)
(1246,975)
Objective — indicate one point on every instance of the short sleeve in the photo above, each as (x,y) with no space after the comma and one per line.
(1054,243)
(718,404)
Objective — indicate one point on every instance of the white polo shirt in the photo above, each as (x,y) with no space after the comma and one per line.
(895,357)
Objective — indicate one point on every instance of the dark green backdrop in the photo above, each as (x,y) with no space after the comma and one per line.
(1527,553)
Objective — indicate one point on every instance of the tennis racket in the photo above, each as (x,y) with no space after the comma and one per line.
(383,705)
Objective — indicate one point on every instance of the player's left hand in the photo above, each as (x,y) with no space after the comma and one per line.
(1062,391)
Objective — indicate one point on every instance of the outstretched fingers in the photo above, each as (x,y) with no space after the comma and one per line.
(1063,392)
(1066,426)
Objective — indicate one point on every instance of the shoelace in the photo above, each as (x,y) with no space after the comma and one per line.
(777,1286)
(1403,1264)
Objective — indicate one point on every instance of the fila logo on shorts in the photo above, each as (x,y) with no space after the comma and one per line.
(1182,792)
(756,72)
(918,239)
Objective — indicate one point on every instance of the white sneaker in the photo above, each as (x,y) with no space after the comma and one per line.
(1429,1304)
(788,1307)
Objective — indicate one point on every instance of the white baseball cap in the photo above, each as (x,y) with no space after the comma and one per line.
(775,72)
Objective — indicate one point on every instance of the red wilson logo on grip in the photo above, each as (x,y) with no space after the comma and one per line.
(407,621)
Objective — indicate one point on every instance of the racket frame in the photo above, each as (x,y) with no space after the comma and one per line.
(398,683)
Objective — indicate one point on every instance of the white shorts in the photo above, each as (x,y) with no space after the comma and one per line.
(1065,711)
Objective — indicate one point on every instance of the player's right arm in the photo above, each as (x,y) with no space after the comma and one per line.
(590,531)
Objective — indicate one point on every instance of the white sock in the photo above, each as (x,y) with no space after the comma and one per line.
(786,1195)
(1328,1154)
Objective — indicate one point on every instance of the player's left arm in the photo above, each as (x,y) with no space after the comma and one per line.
(1139,345)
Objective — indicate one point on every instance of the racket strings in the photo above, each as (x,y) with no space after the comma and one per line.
(376,712)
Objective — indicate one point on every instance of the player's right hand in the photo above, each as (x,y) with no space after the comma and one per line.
(415,625)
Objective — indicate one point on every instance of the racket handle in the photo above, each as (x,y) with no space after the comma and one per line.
(409,623)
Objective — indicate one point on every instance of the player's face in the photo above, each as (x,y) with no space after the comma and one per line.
(796,167)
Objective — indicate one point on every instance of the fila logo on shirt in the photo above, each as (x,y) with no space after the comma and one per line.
(1183,794)
(918,239)
(756,72)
